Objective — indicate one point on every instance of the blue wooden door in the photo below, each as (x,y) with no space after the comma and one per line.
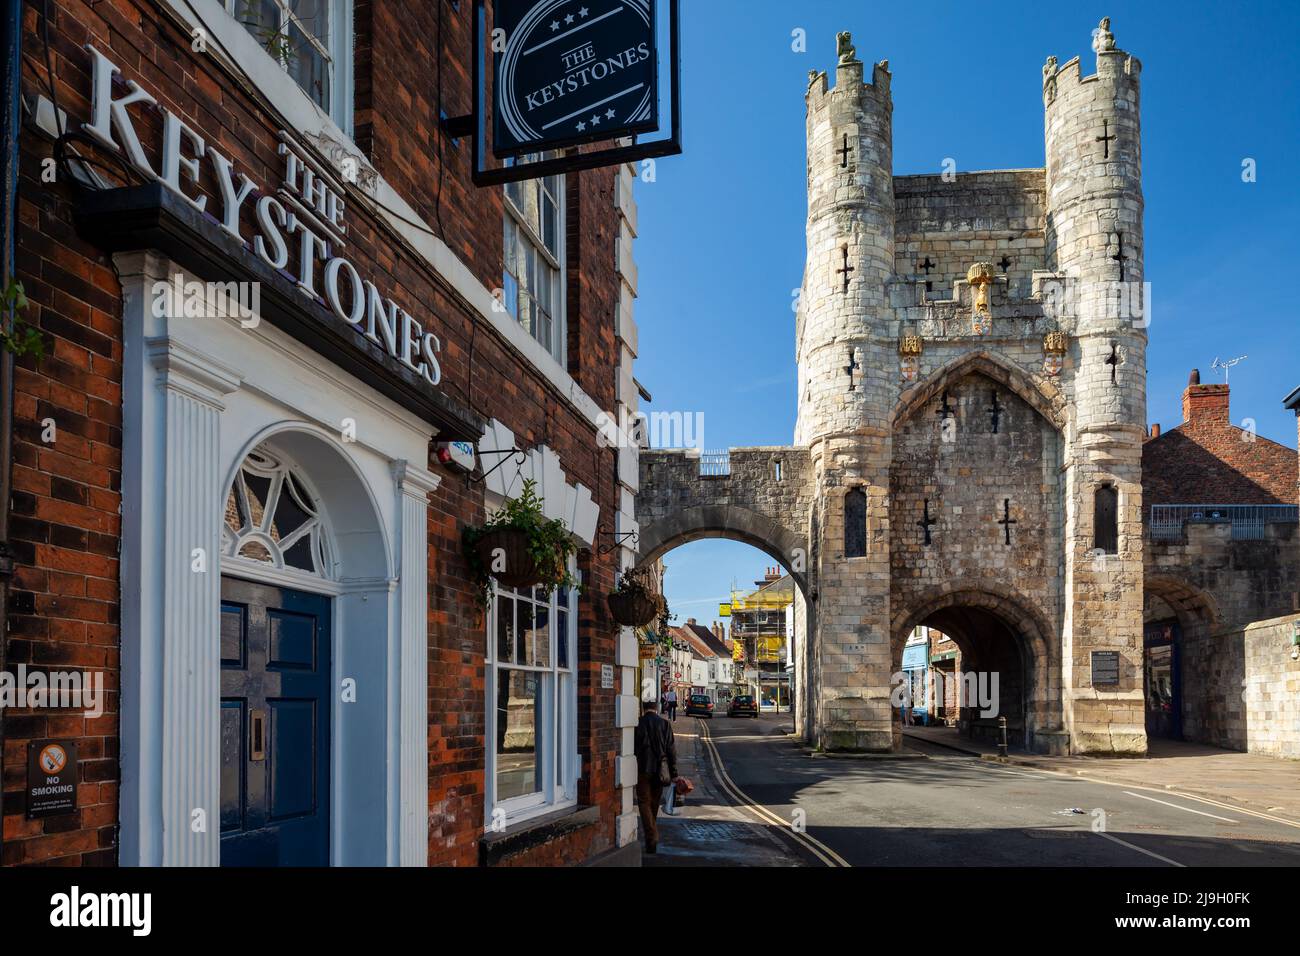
(275,726)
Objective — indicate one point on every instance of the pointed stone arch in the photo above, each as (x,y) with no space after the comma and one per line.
(1036,636)
(1037,391)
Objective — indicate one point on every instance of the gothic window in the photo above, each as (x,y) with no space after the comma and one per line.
(855,523)
(1105,519)
(272,518)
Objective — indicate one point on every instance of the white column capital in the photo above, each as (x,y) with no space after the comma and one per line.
(185,370)
(414,481)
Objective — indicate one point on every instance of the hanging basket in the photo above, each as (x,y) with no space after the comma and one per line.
(520,569)
(633,608)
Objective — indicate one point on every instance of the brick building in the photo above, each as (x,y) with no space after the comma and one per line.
(1208,459)
(240,517)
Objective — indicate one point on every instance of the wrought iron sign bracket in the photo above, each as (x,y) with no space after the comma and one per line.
(619,539)
(496,451)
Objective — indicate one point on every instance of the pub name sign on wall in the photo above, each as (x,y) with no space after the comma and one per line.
(567,73)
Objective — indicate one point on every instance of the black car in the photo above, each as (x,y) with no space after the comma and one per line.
(699,705)
(742,706)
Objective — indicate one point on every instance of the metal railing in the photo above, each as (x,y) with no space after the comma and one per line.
(715,464)
(1248,522)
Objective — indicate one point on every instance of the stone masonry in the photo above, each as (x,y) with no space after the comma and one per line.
(971,362)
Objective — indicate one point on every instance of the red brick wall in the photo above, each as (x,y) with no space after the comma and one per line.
(64,599)
(1208,460)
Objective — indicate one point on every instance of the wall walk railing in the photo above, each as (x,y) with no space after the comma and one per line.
(715,464)
(1248,522)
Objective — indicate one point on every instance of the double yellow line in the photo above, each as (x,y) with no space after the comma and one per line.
(810,843)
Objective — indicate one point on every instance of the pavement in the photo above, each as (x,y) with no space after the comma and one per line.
(709,828)
(1269,784)
(763,800)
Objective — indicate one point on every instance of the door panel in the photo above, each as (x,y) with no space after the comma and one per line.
(275,733)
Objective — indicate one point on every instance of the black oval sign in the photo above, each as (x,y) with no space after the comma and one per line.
(573,71)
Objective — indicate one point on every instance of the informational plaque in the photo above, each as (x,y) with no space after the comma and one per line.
(51,777)
(607,676)
(1105,668)
(573,71)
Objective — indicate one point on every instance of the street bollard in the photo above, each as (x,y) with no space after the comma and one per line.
(1002,736)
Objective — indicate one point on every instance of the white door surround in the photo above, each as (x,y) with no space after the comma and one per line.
(198,395)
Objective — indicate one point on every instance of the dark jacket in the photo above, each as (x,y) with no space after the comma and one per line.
(653,740)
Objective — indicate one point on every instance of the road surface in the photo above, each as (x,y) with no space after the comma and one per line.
(931,806)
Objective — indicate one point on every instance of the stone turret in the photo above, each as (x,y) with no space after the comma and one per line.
(1095,247)
(845,317)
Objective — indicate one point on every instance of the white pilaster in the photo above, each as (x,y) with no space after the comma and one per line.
(186,566)
(413,487)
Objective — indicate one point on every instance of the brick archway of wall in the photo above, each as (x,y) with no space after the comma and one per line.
(734,523)
(1034,633)
(1039,392)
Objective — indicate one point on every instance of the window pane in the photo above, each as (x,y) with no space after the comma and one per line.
(564,726)
(523,627)
(308,68)
(540,645)
(314,15)
(505,628)
(518,718)
(550,226)
(562,637)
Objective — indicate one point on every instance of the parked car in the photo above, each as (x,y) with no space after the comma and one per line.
(699,705)
(742,705)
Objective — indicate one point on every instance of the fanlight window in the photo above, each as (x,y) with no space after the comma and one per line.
(271,517)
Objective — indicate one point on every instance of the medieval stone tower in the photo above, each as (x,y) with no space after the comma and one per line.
(971,411)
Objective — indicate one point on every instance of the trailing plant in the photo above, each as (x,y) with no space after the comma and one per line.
(547,543)
(633,602)
(19,338)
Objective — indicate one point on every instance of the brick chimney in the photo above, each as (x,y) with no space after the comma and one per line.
(1155,430)
(1204,404)
(690,621)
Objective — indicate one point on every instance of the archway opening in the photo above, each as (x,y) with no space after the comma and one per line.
(737,632)
(1179,663)
(963,668)
(305,571)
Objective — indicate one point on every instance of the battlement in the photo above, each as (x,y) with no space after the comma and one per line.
(849,79)
(1114,67)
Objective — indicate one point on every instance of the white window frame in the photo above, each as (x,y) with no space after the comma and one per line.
(558,752)
(338,49)
(558,347)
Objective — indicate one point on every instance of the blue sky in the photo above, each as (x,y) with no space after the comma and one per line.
(721,241)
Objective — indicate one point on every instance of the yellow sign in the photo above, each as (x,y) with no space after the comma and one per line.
(724,610)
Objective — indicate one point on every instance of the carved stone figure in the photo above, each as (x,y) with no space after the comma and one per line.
(1103,41)
(1049,81)
(844,47)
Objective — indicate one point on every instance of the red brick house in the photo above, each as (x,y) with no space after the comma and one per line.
(244,518)
(1209,460)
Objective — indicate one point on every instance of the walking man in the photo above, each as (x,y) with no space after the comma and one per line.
(670,701)
(656,764)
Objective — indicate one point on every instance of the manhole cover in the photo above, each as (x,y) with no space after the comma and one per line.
(714,832)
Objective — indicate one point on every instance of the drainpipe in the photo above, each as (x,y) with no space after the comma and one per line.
(11,39)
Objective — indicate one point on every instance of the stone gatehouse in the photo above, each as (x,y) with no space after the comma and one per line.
(971,353)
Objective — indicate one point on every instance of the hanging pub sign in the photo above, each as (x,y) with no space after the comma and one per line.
(565,73)
(51,778)
(572,71)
